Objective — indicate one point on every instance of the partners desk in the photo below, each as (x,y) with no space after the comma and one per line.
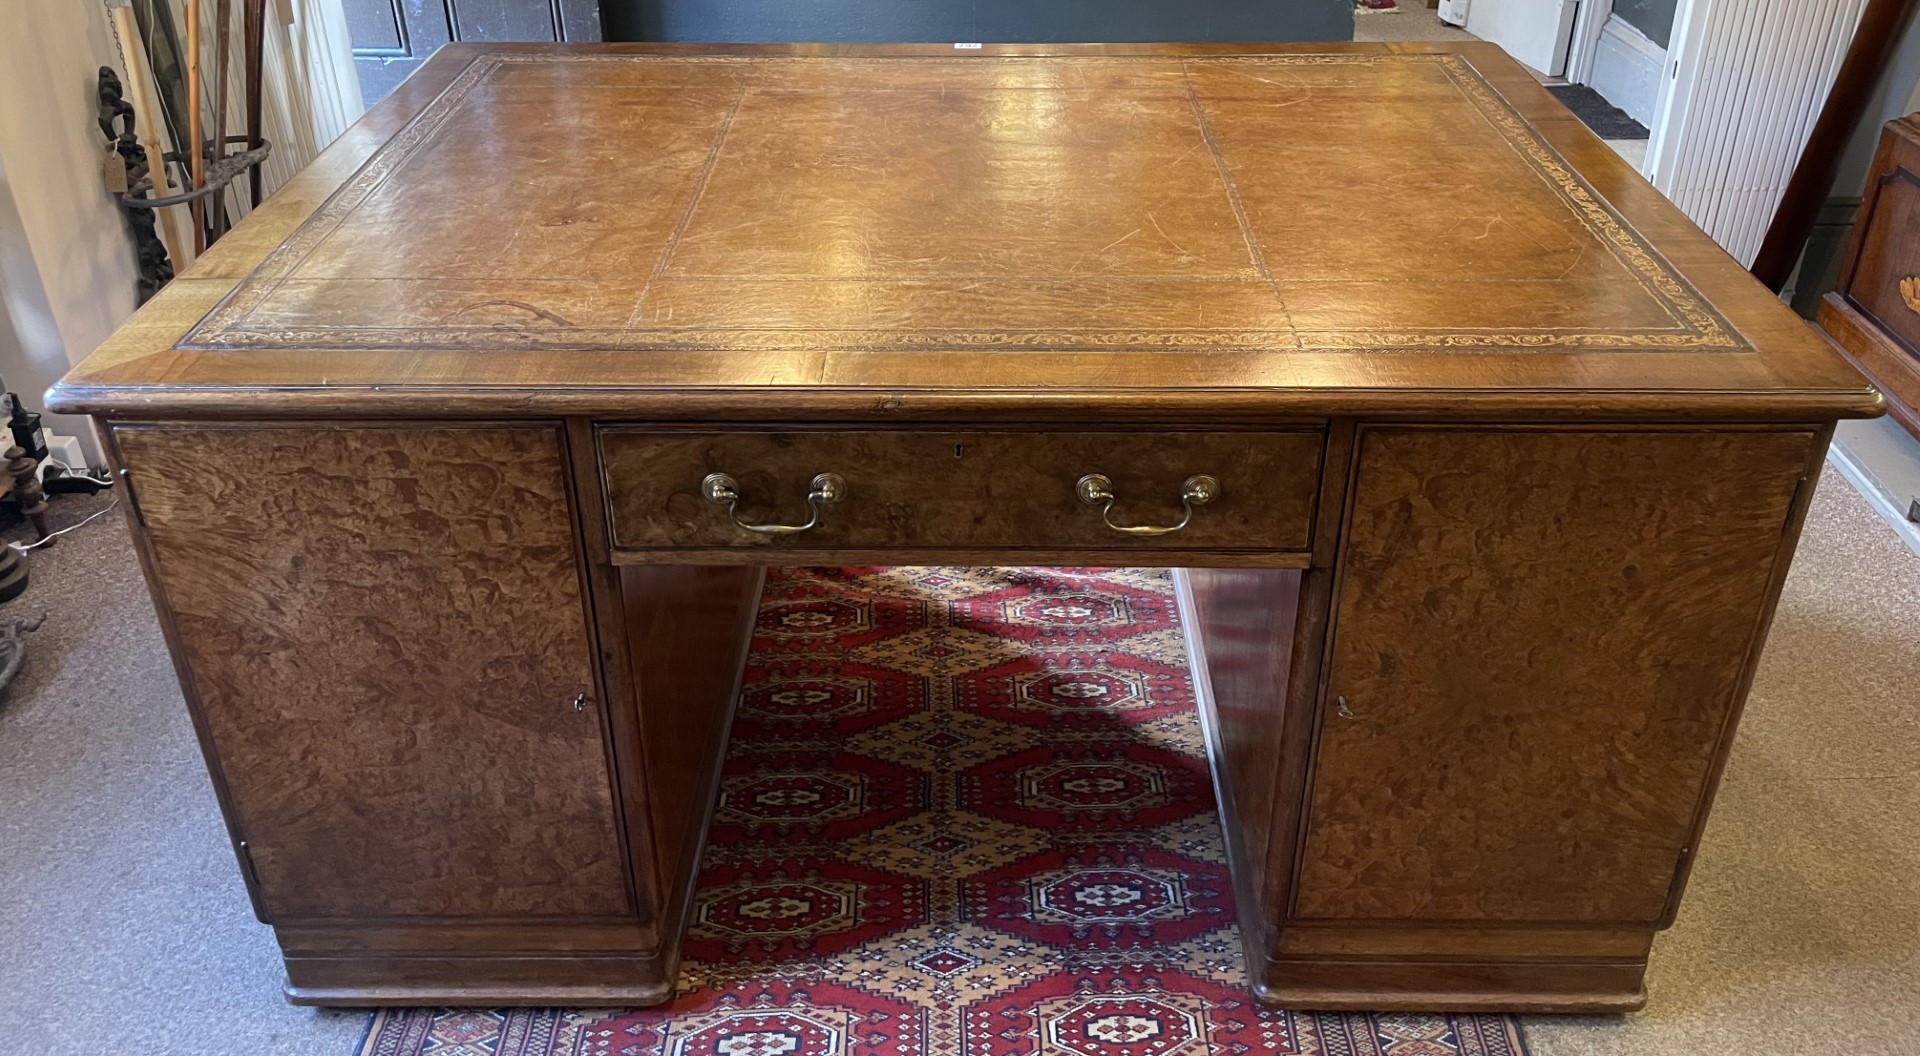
(454,468)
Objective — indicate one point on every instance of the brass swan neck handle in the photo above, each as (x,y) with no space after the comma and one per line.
(826,489)
(1096,489)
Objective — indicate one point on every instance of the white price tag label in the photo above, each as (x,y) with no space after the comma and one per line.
(966,47)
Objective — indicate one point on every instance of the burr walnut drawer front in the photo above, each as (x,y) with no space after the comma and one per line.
(1034,489)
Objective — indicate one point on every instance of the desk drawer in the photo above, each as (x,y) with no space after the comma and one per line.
(914,489)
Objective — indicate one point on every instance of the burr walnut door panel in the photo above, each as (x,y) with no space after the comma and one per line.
(1539,641)
(385,635)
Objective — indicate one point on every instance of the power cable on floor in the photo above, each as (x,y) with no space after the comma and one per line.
(51,536)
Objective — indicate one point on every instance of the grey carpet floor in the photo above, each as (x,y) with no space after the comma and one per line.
(124,928)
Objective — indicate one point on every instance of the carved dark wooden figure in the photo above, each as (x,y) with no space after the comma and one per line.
(117,123)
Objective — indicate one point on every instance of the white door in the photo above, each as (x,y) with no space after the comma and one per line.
(1534,31)
(1748,80)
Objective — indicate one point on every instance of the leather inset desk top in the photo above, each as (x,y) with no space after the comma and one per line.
(1263,202)
(1174,232)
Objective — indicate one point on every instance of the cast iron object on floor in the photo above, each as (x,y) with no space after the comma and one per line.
(13,573)
(13,642)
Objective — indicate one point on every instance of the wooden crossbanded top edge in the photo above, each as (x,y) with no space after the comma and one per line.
(1677,329)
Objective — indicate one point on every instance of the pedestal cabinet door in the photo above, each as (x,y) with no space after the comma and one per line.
(384,634)
(1539,640)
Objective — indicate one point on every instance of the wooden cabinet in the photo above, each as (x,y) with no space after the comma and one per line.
(1875,314)
(1538,642)
(1545,632)
(399,770)
(386,642)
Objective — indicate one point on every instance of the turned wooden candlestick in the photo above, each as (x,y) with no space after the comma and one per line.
(26,489)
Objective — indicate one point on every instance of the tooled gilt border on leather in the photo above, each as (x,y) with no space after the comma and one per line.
(1698,326)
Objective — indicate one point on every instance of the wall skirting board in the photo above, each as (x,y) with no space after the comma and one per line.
(1626,69)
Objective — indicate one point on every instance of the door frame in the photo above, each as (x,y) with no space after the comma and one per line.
(1685,47)
(1586,38)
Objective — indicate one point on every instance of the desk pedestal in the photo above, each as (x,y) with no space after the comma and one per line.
(1464,745)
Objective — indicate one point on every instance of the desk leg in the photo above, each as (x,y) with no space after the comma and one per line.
(687,631)
(1244,627)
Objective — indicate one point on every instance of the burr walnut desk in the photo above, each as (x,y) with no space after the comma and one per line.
(454,466)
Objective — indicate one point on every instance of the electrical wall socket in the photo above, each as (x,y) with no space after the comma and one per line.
(65,450)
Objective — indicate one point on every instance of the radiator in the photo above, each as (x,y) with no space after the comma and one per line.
(1748,80)
(308,89)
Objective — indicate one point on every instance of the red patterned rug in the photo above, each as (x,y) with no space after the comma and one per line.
(965,812)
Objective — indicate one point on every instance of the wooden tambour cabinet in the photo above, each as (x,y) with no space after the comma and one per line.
(455,465)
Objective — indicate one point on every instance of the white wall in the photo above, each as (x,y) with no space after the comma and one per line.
(67,275)
(1627,69)
(1897,95)
(67,272)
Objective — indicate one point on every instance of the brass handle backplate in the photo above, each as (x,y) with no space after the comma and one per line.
(1096,489)
(827,489)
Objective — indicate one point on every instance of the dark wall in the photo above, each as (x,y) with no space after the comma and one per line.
(1652,17)
(986,21)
